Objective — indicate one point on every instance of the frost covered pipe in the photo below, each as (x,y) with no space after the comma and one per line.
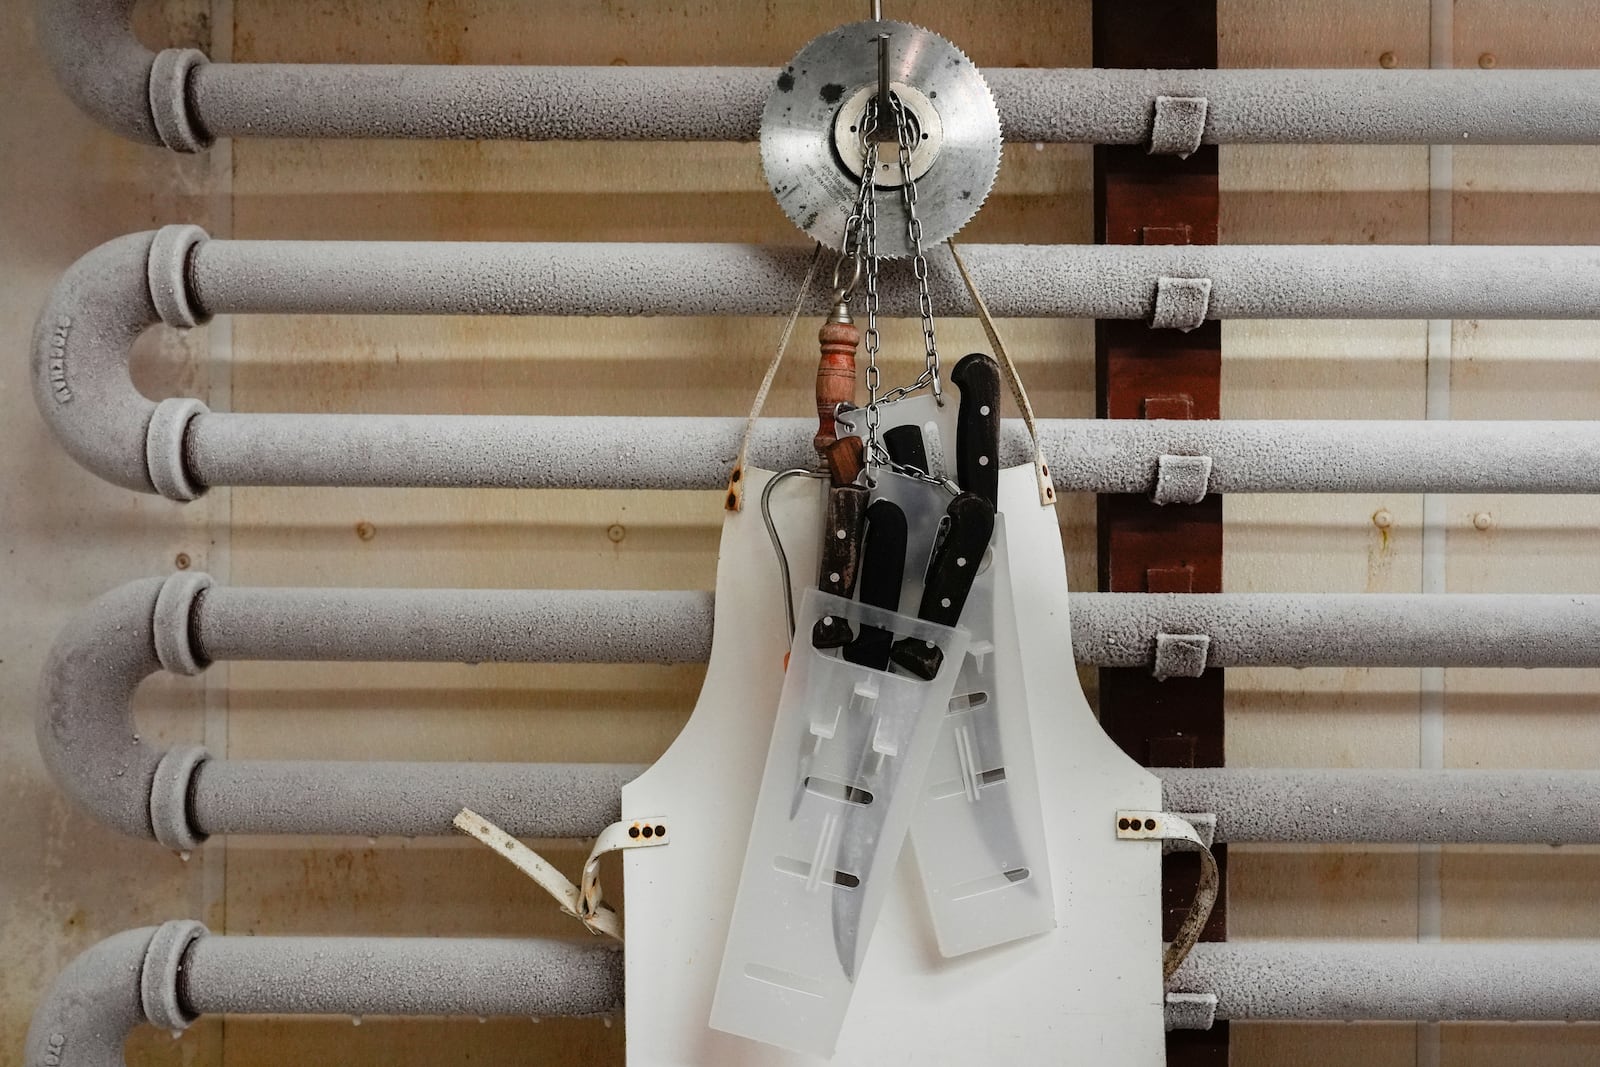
(180,277)
(1387,806)
(1509,981)
(178,796)
(180,99)
(92,745)
(1343,629)
(1089,455)
(170,975)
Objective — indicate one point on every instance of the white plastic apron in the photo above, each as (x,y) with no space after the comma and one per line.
(1089,992)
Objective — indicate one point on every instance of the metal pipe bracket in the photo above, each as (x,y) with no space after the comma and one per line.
(1181,303)
(1179,125)
(1182,479)
(1180,655)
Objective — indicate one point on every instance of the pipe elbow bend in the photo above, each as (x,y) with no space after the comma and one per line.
(86,730)
(126,980)
(81,347)
(121,84)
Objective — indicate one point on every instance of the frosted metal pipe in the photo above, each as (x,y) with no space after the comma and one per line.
(1387,806)
(180,277)
(1343,629)
(1074,281)
(1089,455)
(168,976)
(178,98)
(1506,981)
(94,750)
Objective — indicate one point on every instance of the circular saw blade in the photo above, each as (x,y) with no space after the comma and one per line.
(804,170)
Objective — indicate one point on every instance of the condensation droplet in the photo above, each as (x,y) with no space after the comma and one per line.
(355,1020)
(184,855)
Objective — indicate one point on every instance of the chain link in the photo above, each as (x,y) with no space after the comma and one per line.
(904,132)
(861,242)
(867,249)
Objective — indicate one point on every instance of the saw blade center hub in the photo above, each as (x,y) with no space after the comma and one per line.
(927,134)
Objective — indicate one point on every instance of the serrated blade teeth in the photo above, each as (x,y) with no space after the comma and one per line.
(803,166)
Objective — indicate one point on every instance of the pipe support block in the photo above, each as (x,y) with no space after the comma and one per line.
(1179,126)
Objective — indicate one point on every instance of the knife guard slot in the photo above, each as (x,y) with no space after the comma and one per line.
(851,746)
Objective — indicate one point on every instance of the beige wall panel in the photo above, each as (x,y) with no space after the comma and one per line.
(1526,1045)
(1522,370)
(1323,1044)
(1304,33)
(1524,33)
(1292,543)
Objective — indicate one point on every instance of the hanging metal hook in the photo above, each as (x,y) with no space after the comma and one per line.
(886,131)
(777,540)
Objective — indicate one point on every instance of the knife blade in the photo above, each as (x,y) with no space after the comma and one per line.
(906,447)
(978,426)
(953,564)
(883,564)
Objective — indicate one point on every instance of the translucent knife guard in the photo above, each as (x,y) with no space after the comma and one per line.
(978,835)
(850,749)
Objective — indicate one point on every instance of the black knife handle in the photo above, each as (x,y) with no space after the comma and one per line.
(841,559)
(951,569)
(906,447)
(883,571)
(978,426)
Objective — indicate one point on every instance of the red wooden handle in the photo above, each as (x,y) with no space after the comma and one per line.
(836,377)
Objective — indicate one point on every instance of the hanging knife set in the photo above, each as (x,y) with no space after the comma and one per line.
(903,713)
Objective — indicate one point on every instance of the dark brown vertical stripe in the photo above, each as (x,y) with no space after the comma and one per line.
(1146,374)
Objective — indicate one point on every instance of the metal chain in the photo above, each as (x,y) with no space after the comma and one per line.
(867,249)
(919,262)
(861,241)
